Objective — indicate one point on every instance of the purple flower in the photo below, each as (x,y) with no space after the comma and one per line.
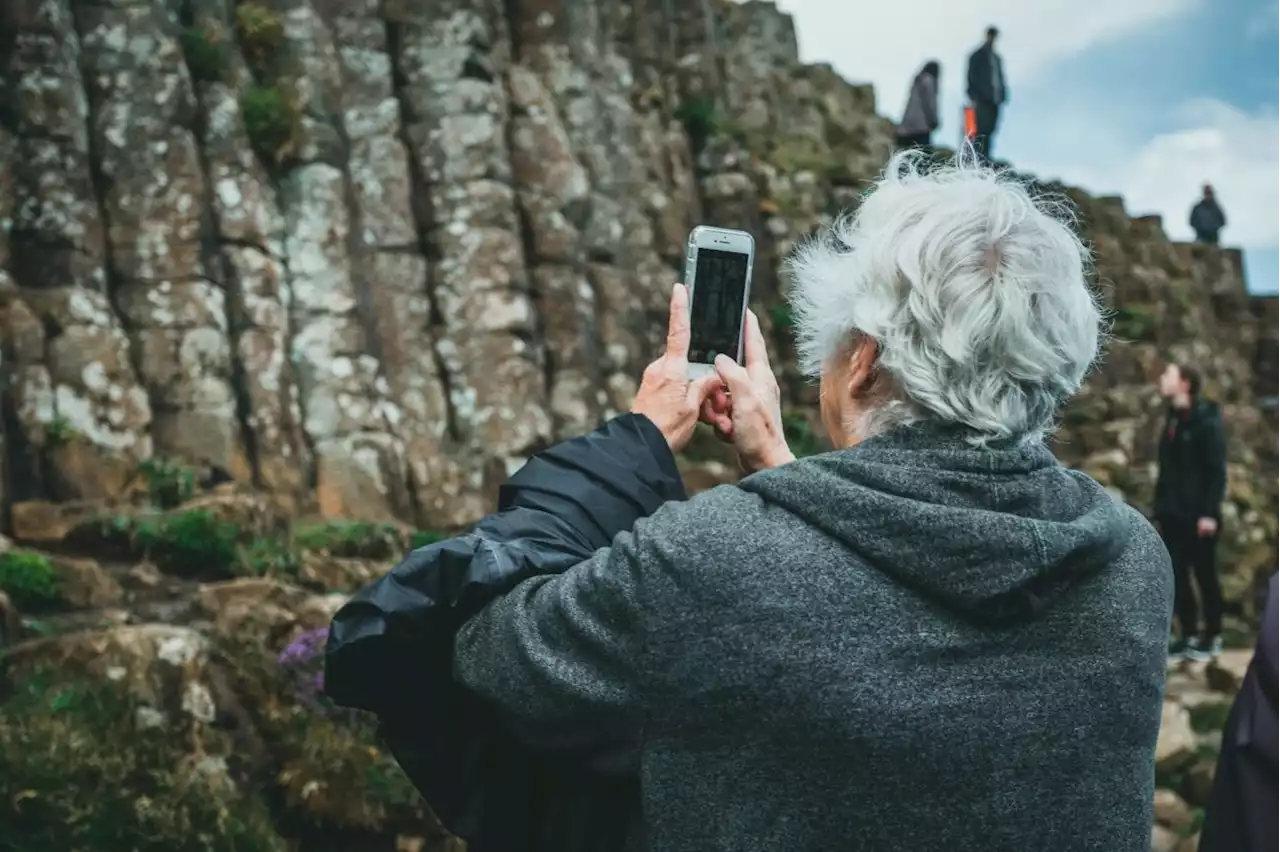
(305,648)
(302,664)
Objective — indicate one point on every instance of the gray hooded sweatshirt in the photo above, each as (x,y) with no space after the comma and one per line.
(910,645)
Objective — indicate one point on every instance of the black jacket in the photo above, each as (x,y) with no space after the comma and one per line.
(390,649)
(1241,816)
(1193,463)
(982,81)
(1207,219)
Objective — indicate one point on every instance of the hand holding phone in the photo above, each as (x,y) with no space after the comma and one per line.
(667,395)
(752,418)
(717,275)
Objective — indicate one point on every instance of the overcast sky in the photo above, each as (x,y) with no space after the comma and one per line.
(1145,98)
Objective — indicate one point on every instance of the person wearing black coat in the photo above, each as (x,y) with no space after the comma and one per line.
(1241,814)
(1207,218)
(987,92)
(392,642)
(1190,488)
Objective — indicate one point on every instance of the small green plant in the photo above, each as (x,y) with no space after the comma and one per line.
(169,483)
(1133,324)
(268,557)
(65,744)
(698,115)
(271,122)
(351,539)
(205,53)
(59,431)
(195,542)
(261,35)
(28,578)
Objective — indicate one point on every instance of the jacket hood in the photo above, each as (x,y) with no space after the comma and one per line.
(995,534)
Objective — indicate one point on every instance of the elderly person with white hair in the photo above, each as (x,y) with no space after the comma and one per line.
(934,637)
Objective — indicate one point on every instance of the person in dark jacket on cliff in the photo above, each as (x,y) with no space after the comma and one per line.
(1190,487)
(930,638)
(920,118)
(987,92)
(1241,814)
(1207,218)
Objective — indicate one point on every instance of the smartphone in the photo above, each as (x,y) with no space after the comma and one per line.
(717,273)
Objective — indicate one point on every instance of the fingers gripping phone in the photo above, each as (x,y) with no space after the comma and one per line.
(717,273)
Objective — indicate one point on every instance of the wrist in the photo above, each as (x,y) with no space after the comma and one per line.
(775,457)
(781,455)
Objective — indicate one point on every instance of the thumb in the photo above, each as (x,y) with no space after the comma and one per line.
(702,389)
(734,376)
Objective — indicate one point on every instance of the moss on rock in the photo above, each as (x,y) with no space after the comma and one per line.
(66,782)
(29,579)
(271,120)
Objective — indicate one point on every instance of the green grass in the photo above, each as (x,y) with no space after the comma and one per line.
(29,579)
(271,122)
(192,543)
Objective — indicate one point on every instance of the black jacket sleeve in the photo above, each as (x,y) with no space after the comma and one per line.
(1213,455)
(390,647)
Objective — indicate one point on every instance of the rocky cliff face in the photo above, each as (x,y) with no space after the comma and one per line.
(345,264)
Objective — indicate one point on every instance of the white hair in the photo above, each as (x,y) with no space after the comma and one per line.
(972,288)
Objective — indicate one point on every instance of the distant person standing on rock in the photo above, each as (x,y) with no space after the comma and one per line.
(987,91)
(1188,508)
(1207,218)
(920,118)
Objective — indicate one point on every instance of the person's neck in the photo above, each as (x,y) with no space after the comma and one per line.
(1181,402)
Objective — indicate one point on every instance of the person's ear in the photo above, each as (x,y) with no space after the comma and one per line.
(861,368)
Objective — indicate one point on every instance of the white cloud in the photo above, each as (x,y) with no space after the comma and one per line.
(1237,152)
(886,43)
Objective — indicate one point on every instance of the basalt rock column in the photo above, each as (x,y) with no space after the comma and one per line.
(348,410)
(450,62)
(77,418)
(248,250)
(151,187)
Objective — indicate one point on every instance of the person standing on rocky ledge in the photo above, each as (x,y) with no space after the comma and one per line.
(1207,218)
(987,92)
(1190,488)
(920,118)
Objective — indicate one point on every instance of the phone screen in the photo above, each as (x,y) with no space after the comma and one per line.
(719,284)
